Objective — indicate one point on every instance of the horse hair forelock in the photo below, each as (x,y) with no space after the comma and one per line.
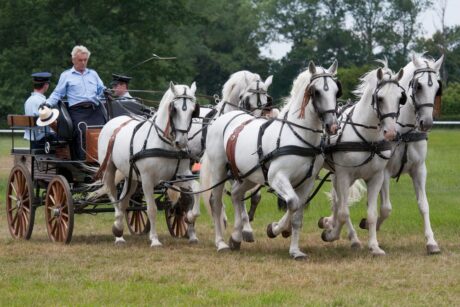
(369,79)
(298,89)
(237,83)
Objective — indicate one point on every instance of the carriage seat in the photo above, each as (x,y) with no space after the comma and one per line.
(64,122)
(26,122)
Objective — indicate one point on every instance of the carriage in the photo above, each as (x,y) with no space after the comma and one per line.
(49,177)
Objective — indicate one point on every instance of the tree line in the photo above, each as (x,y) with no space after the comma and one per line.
(212,39)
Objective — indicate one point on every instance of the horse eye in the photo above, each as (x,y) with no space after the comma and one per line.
(317,93)
(379,99)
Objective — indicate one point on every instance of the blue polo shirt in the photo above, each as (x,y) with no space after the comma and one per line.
(77,87)
(31,108)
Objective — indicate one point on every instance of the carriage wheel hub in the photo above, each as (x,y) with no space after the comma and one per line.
(56,212)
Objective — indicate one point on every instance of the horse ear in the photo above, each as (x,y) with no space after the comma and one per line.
(400,74)
(268,81)
(379,74)
(416,61)
(193,88)
(438,63)
(172,88)
(312,67)
(333,68)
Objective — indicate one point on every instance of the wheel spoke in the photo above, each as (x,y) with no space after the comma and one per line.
(12,209)
(13,197)
(52,199)
(12,184)
(53,229)
(26,208)
(142,220)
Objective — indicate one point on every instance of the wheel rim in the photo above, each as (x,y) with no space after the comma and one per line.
(59,210)
(138,222)
(19,203)
(175,219)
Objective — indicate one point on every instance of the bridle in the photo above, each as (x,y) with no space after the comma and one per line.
(170,131)
(414,84)
(258,91)
(375,98)
(310,93)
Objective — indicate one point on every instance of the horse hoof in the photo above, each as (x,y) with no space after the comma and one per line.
(270,233)
(117,232)
(377,252)
(193,241)
(286,233)
(324,236)
(299,256)
(248,236)
(223,248)
(433,249)
(363,224)
(321,223)
(234,246)
(120,241)
(155,243)
(356,245)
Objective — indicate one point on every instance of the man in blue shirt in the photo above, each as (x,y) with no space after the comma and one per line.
(83,89)
(41,81)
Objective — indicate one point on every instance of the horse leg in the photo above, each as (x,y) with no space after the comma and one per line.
(341,212)
(385,202)
(327,222)
(109,183)
(419,181)
(373,187)
(255,200)
(216,209)
(238,192)
(147,188)
(122,206)
(193,211)
(284,189)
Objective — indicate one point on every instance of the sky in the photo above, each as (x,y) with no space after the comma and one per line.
(429,19)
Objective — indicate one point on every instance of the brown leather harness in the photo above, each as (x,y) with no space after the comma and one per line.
(108,154)
(230,149)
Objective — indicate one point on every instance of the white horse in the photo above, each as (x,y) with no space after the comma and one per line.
(416,118)
(156,155)
(282,152)
(244,90)
(362,150)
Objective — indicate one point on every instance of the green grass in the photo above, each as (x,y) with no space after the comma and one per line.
(92,271)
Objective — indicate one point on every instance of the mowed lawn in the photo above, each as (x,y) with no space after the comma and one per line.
(93,271)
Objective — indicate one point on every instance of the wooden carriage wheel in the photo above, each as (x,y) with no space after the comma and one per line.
(20,211)
(175,220)
(137,220)
(59,210)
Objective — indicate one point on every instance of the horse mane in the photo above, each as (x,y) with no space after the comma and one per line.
(236,84)
(369,79)
(298,90)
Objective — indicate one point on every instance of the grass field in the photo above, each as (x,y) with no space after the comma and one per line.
(93,271)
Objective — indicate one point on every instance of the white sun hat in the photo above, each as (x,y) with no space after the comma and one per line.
(46,116)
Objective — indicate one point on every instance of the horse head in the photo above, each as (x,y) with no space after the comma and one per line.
(181,107)
(387,97)
(255,98)
(425,90)
(323,91)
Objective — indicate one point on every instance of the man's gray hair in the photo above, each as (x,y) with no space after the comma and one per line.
(79,49)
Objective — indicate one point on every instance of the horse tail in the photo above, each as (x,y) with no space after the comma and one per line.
(356,192)
(102,190)
(205,182)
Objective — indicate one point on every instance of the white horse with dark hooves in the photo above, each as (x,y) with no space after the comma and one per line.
(151,151)
(244,90)
(282,152)
(410,148)
(361,151)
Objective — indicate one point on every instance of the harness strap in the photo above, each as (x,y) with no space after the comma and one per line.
(409,137)
(204,133)
(230,148)
(108,154)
